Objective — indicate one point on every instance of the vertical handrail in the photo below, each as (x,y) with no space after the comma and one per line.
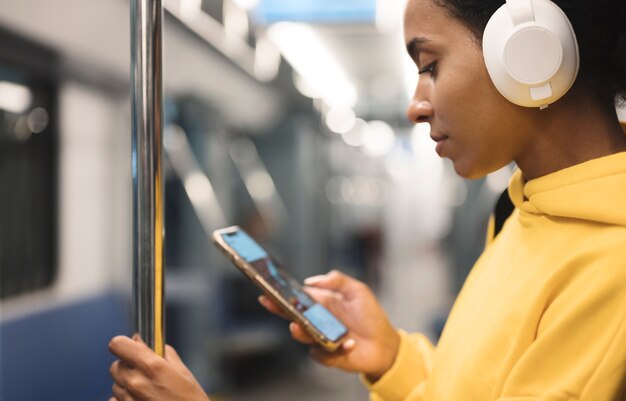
(147,172)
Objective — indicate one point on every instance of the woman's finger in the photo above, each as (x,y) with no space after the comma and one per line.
(300,334)
(297,332)
(333,280)
(133,352)
(119,372)
(172,356)
(324,296)
(273,307)
(332,359)
(120,393)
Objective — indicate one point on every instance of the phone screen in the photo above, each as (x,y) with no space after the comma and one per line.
(289,288)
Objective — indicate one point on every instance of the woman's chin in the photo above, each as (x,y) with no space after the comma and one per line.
(468,170)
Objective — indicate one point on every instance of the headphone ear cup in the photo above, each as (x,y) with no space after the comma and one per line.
(532,57)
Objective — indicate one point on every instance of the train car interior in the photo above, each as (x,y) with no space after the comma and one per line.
(286,118)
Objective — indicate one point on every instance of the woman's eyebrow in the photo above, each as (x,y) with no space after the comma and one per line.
(414,46)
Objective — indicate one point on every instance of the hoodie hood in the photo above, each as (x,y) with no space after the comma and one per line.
(594,191)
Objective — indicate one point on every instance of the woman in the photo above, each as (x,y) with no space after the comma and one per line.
(542,315)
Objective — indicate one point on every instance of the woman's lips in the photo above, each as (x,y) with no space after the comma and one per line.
(441,140)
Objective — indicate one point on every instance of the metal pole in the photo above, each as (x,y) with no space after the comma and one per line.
(147,148)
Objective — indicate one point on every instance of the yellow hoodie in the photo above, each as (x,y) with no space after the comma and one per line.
(542,316)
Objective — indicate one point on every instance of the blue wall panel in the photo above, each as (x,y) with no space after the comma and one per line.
(61,355)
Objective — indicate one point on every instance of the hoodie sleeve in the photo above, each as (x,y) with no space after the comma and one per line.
(406,379)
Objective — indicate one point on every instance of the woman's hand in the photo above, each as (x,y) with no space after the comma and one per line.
(142,375)
(372,342)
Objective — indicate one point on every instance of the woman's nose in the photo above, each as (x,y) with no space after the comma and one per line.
(419,111)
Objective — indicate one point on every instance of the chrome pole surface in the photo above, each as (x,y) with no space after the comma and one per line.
(147,172)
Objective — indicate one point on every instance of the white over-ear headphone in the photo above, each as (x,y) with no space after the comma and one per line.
(531,52)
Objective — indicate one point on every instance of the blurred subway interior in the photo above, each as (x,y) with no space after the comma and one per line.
(284,117)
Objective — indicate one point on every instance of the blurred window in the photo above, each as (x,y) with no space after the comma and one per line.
(28,166)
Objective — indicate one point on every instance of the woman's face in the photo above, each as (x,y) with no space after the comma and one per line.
(473,125)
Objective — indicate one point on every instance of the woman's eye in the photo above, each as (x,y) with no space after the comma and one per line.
(430,68)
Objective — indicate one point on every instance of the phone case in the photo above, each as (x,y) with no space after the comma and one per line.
(270,291)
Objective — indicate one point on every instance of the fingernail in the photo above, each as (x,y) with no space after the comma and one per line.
(349,344)
(261,299)
(292,326)
(313,279)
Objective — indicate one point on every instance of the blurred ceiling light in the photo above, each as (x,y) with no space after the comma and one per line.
(347,190)
(14,98)
(266,59)
(260,185)
(190,8)
(198,188)
(358,191)
(197,185)
(244,152)
(365,192)
(235,48)
(246,4)
(174,138)
(358,134)
(307,54)
(340,119)
(380,139)
(258,181)
(304,87)
(236,21)
(37,120)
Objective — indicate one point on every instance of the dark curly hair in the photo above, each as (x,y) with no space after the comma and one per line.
(600,27)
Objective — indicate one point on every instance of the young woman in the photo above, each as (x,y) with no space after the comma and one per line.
(542,315)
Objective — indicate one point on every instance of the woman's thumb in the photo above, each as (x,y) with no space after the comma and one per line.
(333,280)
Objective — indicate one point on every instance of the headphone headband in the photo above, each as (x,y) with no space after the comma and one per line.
(521,11)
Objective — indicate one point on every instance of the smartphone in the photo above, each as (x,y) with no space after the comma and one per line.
(269,275)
